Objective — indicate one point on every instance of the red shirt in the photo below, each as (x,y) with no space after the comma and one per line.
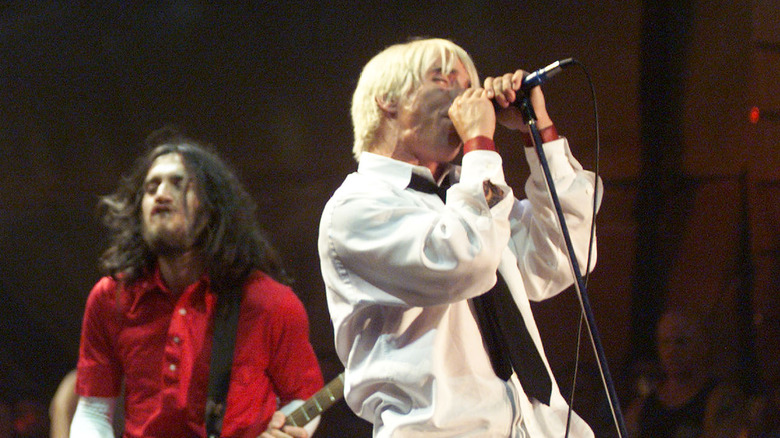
(161,344)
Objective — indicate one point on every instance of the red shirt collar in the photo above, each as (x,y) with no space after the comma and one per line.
(153,283)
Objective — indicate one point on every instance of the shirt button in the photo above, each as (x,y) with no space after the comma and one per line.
(172,367)
(182,311)
(176,339)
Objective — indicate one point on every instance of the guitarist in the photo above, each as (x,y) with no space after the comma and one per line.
(184,234)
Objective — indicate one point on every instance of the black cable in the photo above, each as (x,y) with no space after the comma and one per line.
(590,241)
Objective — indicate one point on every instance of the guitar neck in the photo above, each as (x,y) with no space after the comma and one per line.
(318,403)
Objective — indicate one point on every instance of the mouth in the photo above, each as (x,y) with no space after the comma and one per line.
(160,209)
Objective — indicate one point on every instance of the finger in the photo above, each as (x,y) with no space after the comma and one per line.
(296,432)
(277,420)
(469,94)
(497,92)
(475,91)
(464,95)
(489,87)
(452,112)
(517,79)
(478,92)
(508,86)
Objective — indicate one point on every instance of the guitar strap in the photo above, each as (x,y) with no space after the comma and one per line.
(222,347)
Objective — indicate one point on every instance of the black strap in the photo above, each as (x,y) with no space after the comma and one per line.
(222,347)
(504,333)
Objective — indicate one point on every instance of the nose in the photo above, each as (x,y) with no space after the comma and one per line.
(164,193)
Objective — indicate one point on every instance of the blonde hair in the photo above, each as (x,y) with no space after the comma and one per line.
(394,72)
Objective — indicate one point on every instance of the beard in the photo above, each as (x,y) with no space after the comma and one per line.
(168,242)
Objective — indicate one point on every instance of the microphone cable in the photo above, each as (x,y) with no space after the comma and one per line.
(590,245)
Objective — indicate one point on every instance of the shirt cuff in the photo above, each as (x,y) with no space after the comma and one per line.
(557,154)
(481,143)
(548,134)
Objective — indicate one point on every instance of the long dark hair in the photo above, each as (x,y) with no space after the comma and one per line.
(232,243)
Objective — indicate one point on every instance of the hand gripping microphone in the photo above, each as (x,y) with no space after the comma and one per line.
(537,78)
(543,74)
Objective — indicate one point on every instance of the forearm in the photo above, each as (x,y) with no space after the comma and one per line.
(93,418)
(63,406)
(536,234)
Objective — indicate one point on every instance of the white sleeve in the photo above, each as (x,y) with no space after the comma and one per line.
(93,418)
(430,253)
(536,237)
(311,426)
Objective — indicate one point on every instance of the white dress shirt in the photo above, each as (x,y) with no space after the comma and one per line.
(399,267)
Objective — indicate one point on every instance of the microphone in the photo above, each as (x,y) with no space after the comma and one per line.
(543,74)
(537,78)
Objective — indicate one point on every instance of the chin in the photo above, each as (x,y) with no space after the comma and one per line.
(164,240)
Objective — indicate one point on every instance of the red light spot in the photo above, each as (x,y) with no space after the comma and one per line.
(755,114)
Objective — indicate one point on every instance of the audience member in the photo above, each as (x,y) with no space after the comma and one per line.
(689,400)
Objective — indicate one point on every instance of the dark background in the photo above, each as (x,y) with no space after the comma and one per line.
(690,213)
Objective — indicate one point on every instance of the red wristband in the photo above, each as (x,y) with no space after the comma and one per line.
(481,143)
(548,134)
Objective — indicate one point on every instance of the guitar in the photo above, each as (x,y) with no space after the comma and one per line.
(318,403)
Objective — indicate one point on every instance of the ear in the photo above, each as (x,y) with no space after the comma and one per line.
(387,106)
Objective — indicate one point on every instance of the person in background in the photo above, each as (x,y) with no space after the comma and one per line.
(63,404)
(689,400)
(62,407)
(185,240)
(429,266)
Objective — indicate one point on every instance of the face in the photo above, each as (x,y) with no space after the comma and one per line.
(681,344)
(169,207)
(427,134)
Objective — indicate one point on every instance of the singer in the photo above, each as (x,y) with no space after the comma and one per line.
(429,266)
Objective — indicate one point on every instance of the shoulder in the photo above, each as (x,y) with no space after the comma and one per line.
(725,409)
(264,294)
(272,309)
(725,397)
(363,199)
(376,176)
(359,186)
(102,309)
(104,290)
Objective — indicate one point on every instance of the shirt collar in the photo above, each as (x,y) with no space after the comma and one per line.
(153,282)
(396,172)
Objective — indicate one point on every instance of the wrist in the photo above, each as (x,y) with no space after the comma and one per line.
(481,143)
(548,134)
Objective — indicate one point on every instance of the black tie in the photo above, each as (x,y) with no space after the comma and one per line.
(503,330)
(508,342)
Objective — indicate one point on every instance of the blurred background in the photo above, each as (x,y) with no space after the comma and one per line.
(689,118)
